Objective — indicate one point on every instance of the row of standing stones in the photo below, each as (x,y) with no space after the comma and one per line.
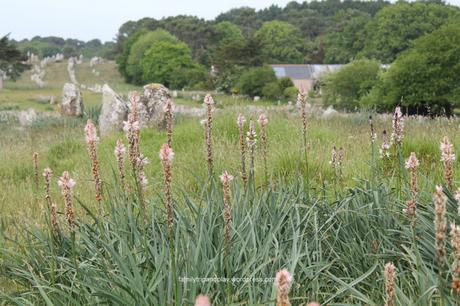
(115,109)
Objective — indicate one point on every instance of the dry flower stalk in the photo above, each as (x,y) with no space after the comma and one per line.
(67,184)
(455,239)
(168,110)
(263,121)
(447,158)
(226,179)
(412,164)
(240,122)
(35,162)
(440,223)
(120,151)
(390,273)
(91,141)
(209,103)
(166,157)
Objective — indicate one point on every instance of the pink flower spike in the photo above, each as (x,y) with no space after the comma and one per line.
(90,130)
(168,106)
(65,181)
(47,172)
(240,120)
(412,162)
(166,153)
(283,280)
(208,100)
(263,120)
(202,300)
(120,148)
(226,178)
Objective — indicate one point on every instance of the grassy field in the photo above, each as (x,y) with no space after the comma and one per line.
(334,233)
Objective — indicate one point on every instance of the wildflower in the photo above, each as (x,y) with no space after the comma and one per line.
(141,161)
(120,151)
(263,121)
(91,140)
(440,222)
(226,179)
(134,99)
(333,160)
(373,134)
(240,122)
(385,148)
(67,184)
(283,282)
(47,174)
(209,102)
(390,272)
(301,102)
(398,127)
(35,161)
(53,219)
(455,239)
(202,300)
(168,110)
(457,198)
(412,164)
(251,140)
(132,131)
(166,157)
(448,158)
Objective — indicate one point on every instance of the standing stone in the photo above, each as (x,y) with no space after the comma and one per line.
(151,106)
(72,100)
(114,110)
(1,80)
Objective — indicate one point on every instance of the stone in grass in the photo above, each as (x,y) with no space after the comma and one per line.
(114,111)
(151,105)
(72,101)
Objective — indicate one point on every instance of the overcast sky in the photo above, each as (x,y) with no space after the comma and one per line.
(89,19)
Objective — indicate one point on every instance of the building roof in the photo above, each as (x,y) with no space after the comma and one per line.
(303,72)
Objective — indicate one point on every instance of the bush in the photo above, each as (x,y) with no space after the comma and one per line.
(424,79)
(138,50)
(290,92)
(344,88)
(285,82)
(170,64)
(272,91)
(253,80)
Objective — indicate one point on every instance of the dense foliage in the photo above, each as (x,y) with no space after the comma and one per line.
(51,45)
(345,88)
(328,32)
(11,59)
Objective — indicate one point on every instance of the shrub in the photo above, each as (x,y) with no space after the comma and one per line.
(344,88)
(253,80)
(167,63)
(284,83)
(272,91)
(290,92)
(425,78)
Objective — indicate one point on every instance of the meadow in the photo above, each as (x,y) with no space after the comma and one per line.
(334,228)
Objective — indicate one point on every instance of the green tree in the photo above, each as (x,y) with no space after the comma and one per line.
(138,49)
(122,59)
(11,59)
(395,27)
(281,42)
(253,81)
(344,88)
(426,78)
(166,62)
